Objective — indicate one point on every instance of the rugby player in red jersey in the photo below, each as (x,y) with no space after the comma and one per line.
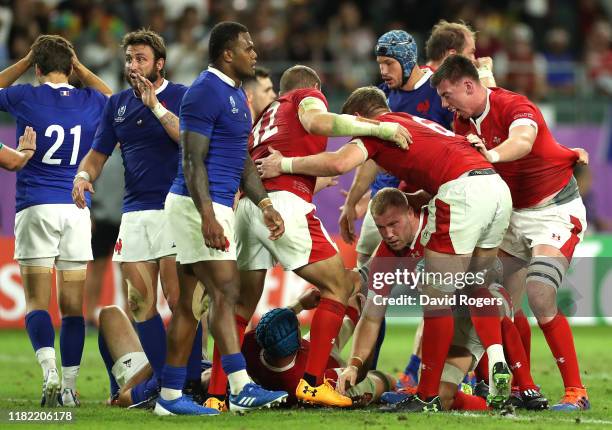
(548,218)
(468,217)
(400,226)
(298,123)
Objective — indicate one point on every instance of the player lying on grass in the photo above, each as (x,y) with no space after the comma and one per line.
(276,353)
(400,226)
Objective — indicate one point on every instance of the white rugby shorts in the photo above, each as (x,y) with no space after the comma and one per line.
(61,231)
(144,236)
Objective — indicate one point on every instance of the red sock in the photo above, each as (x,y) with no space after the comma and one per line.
(558,334)
(482,369)
(486,319)
(218,379)
(468,402)
(437,336)
(326,323)
(516,357)
(353,314)
(522,325)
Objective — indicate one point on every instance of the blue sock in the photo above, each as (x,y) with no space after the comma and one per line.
(152,335)
(173,377)
(144,390)
(108,363)
(413,365)
(233,363)
(40,329)
(194,368)
(379,342)
(72,340)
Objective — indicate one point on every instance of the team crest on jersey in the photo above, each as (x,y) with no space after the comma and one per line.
(496,140)
(233,103)
(120,113)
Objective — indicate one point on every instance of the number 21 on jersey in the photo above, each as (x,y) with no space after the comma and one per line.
(262,132)
(59,133)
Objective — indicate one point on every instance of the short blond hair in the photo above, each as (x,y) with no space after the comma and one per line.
(446,36)
(387,197)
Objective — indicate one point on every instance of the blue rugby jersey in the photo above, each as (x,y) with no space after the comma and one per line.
(65,120)
(149,154)
(214,107)
(422,101)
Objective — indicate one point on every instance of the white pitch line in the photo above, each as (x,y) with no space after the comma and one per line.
(529,418)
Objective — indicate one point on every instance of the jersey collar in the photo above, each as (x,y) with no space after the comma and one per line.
(418,232)
(218,73)
(59,85)
(426,75)
(273,368)
(478,121)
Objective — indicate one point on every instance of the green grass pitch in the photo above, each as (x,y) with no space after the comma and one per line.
(20,385)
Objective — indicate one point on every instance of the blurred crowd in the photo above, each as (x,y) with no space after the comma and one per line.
(542,48)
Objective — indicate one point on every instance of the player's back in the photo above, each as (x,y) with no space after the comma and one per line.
(65,120)
(279,127)
(423,101)
(436,155)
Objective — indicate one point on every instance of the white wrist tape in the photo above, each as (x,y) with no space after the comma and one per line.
(82,175)
(287,165)
(159,110)
(484,73)
(494,155)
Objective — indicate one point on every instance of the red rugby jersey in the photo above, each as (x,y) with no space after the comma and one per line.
(436,155)
(411,253)
(279,127)
(539,174)
(272,378)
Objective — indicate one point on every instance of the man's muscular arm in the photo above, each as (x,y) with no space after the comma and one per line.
(195,148)
(168,120)
(519,143)
(364,176)
(253,188)
(343,160)
(88,171)
(315,119)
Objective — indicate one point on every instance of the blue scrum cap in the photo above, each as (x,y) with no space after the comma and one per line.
(401,46)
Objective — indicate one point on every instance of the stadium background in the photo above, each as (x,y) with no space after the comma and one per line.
(559,53)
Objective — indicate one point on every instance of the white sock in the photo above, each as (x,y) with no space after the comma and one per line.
(170,394)
(238,380)
(46,359)
(496,355)
(69,377)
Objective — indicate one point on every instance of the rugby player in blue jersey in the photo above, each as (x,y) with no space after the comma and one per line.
(49,231)
(143,119)
(215,122)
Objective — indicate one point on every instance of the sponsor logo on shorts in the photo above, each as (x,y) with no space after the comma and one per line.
(556,236)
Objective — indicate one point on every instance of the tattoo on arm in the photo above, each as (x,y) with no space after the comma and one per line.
(195,148)
(170,122)
(251,182)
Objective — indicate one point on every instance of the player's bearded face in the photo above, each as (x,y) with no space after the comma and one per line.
(140,59)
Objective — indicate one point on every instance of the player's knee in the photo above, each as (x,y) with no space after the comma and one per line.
(141,303)
(547,271)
